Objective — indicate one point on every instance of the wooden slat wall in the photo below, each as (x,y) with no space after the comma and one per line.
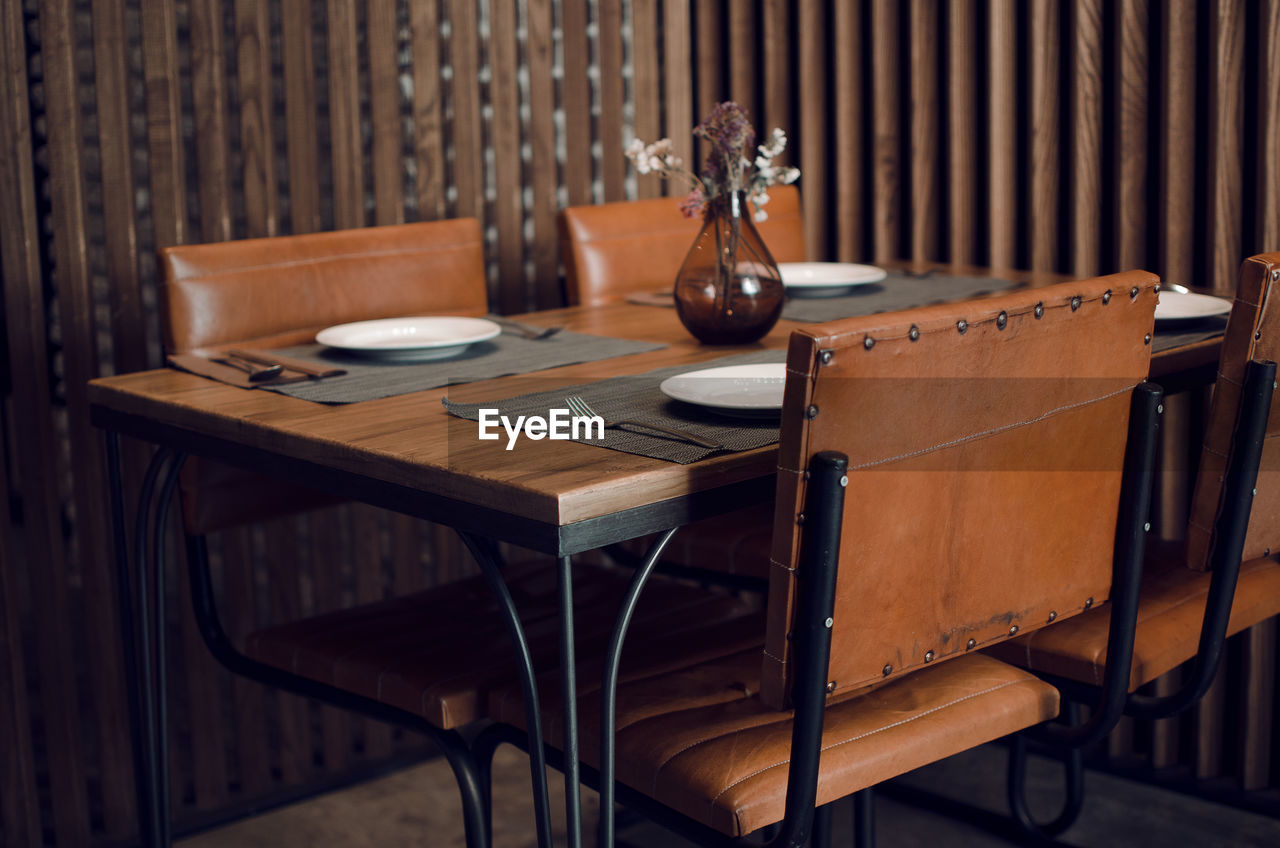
(1077,135)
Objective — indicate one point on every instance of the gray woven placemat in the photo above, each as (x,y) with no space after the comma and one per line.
(1167,338)
(368,379)
(897,291)
(638,397)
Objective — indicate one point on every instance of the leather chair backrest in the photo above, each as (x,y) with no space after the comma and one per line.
(613,249)
(1253,332)
(278,291)
(986,442)
(282,290)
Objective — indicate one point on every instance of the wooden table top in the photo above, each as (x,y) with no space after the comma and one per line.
(407,453)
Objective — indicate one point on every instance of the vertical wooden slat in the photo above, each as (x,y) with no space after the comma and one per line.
(709,56)
(24,342)
(1045,134)
(1226,121)
(59,704)
(468,140)
(281,551)
(1258,706)
(575,100)
(613,165)
(1177,146)
(678,81)
(924,130)
(257,147)
(507,205)
(165,154)
(1268,157)
(301,135)
(384,113)
(209,102)
(886,131)
(1131,126)
(542,141)
(326,571)
(813,75)
(1002,149)
(777,36)
(646,82)
(962,150)
(849,122)
(743,58)
(1086,138)
(366,548)
(428,124)
(248,697)
(344,117)
(203,694)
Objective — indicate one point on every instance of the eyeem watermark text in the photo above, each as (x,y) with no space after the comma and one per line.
(560,424)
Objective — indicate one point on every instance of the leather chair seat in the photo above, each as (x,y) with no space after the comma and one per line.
(698,739)
(437,653)
(1169,617)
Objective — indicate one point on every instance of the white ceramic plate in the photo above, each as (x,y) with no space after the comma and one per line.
(749,390)
(827,279)
(1175,306)
(417,339)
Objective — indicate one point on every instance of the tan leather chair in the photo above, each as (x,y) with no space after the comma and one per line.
(983,445)
(614,249)
(1173,627)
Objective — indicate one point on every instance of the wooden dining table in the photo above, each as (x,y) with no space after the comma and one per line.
(408,454)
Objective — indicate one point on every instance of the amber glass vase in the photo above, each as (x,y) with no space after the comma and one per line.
(728,290)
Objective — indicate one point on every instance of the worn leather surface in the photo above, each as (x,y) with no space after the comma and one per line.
(440,652)
(985,469)
(1253,332)
(1170,612)
(612,249)
(261,293)
(699,739)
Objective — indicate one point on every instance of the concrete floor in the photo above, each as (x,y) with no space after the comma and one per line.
(418,806)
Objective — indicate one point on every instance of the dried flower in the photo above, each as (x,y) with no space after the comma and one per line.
(729,167)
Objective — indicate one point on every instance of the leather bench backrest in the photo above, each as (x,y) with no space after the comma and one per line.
(986,442)
(614,249)
(1253,332)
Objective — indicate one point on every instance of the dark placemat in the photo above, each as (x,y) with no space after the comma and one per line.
(895,292)
(369,379)
(1168,337)
(637,397)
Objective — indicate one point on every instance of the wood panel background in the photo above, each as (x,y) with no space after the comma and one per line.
(1077,135)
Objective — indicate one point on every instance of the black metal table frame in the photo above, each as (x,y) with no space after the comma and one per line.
(140,582)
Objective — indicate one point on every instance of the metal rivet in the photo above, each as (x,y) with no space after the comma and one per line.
(826,357)
(1052,615)
(800,518)
(1088,602)
(1267,552)
(1257,336)
(1002,319)
(928,657)
(1255,493)
(1146,528)
(806,474)
(844,481)
(962,325)
(887,670)
(1075,302)
(1039,310)
(811,412)
(1106,296)
(1275,275)
(913,333)
(868,343)
(1133,293)
(1013,630)
(830,621)
(790,636)
(831,686)
(971,644)
(1160,409)
(1147,339)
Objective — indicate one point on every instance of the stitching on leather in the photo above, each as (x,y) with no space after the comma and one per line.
(983,434)
(890,726)
(776,659)
(296,263)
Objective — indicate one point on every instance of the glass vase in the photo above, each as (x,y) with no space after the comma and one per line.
(728,290)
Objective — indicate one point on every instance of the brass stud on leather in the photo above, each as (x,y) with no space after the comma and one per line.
(928,657)
(1013,630)
(1001,320)
(831,686)
(1160,409)
(1275,275)
(887,670)
(844,481)
(868,343)
(962,325)
(914,333)
(1039,310)
(1075,302)
(830,621)
(1052,615)
(1147,339)
(826,357)
(811,413)
(1106,297)
(800,518)
(1088,602)
(1133,293)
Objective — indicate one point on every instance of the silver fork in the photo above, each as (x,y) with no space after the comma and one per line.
(582,409)
(528,331)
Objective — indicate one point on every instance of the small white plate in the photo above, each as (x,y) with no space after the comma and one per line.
(418,339)
(827,279)
(747,390)
(1175,306)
